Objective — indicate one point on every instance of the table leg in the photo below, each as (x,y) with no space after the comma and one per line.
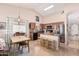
(14,50)
(28,47)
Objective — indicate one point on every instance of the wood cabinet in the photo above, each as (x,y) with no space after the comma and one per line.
(31,27)
(42,26)
(53,24)
(62,38)
(58,28)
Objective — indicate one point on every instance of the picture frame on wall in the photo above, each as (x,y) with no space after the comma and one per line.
(2,25)
(37,18)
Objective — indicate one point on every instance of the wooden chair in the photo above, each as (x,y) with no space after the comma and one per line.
(23,44)
(17,34)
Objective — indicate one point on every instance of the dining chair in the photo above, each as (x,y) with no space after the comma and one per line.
(23,44)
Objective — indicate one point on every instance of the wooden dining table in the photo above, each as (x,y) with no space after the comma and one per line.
(17,39)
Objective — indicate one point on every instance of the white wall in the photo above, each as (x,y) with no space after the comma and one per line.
(54,19)
(12,11)
(28,14)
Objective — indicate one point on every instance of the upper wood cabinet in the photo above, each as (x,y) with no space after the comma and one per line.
(32,26)
(54,25)
(42,26)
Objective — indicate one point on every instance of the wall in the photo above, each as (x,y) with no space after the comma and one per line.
(62,17)
(28,14)
(53,19)
(12,11)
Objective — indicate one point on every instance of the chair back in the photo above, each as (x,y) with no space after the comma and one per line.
(19,34)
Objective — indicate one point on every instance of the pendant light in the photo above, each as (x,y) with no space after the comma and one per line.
(19,18)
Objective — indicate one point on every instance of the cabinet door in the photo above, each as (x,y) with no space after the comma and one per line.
(32,26)
(42,26)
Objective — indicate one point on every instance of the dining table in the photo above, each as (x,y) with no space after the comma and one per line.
(17,39)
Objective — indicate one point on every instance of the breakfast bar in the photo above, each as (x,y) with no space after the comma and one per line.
(49,40)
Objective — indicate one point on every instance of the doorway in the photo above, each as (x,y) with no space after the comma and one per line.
(73,30)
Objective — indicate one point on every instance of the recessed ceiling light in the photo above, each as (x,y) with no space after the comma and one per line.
(51,6)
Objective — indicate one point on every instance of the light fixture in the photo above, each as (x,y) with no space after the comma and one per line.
(19,18)
(51,6)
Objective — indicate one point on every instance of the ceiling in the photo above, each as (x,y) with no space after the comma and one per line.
(39,7)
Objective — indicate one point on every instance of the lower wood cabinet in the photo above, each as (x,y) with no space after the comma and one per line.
(47,44)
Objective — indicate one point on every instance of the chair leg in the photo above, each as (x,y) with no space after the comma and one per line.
(14,50)
(21,49)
